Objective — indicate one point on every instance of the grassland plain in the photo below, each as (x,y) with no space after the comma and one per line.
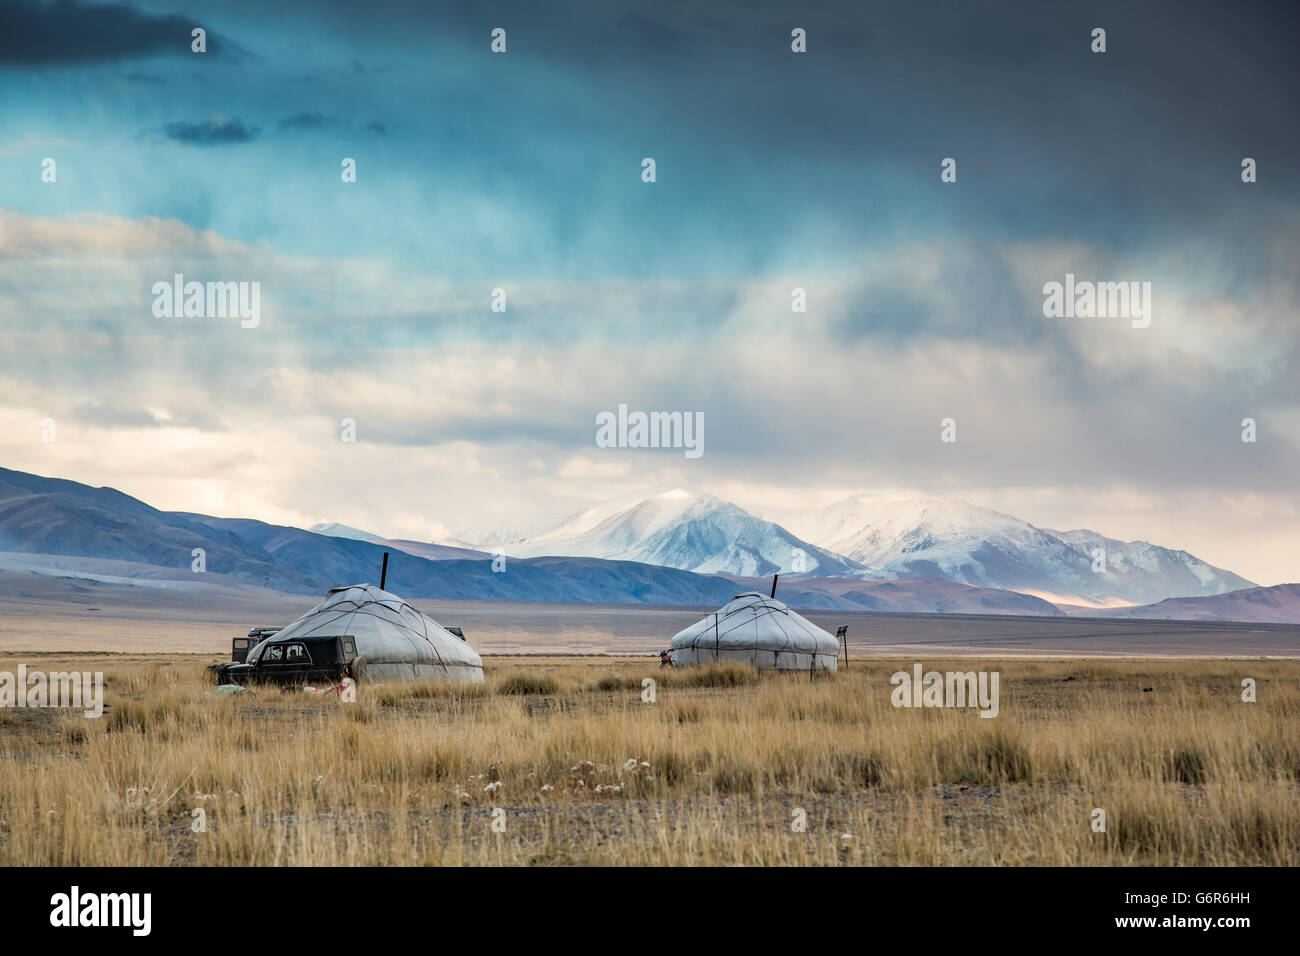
(565,754)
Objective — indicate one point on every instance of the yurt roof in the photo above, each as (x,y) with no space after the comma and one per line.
(386,627)
(756,620)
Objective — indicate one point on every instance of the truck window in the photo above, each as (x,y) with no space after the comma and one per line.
(273,654)
(296,654)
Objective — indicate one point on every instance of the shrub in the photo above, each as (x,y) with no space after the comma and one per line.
(524,683)
(712,675)
(612,682)
(1185,765)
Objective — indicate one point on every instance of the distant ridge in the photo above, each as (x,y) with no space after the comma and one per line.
(335,530)
(1279,604)
(959,541)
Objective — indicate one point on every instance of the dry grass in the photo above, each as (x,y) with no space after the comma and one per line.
(709,774)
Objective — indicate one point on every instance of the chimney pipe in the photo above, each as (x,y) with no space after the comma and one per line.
(774,577)
(383,574)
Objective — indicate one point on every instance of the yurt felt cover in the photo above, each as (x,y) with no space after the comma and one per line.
(755,628)
(395,641)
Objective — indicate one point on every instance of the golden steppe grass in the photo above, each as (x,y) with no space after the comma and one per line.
(712,773)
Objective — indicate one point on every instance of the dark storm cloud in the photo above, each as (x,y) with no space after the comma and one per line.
(1050,138)
(68,32)
(210,132)
(308,121)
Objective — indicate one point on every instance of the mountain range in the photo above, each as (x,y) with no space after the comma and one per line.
(879,538)
(673,548)
(677,529)
(51,516)
(975,545)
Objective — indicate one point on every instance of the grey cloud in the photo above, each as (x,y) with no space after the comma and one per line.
(68,32)
(113,415)
(210,132)
(308,121)
(318,122)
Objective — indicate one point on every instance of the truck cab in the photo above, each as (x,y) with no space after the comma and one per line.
(240,647)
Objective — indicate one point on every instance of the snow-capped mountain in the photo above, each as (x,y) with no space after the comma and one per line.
(860,536)
(489,536)
(678,529)
(1172,573)
(335,530)
(976,545)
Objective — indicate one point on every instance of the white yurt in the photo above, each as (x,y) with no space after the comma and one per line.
(759,630)
(394,641)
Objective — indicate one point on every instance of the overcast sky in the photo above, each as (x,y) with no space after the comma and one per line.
(775,170)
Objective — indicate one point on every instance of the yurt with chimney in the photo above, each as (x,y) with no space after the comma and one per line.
(394,641)
(755,629)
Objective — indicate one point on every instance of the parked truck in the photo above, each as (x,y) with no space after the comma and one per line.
(319,659)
